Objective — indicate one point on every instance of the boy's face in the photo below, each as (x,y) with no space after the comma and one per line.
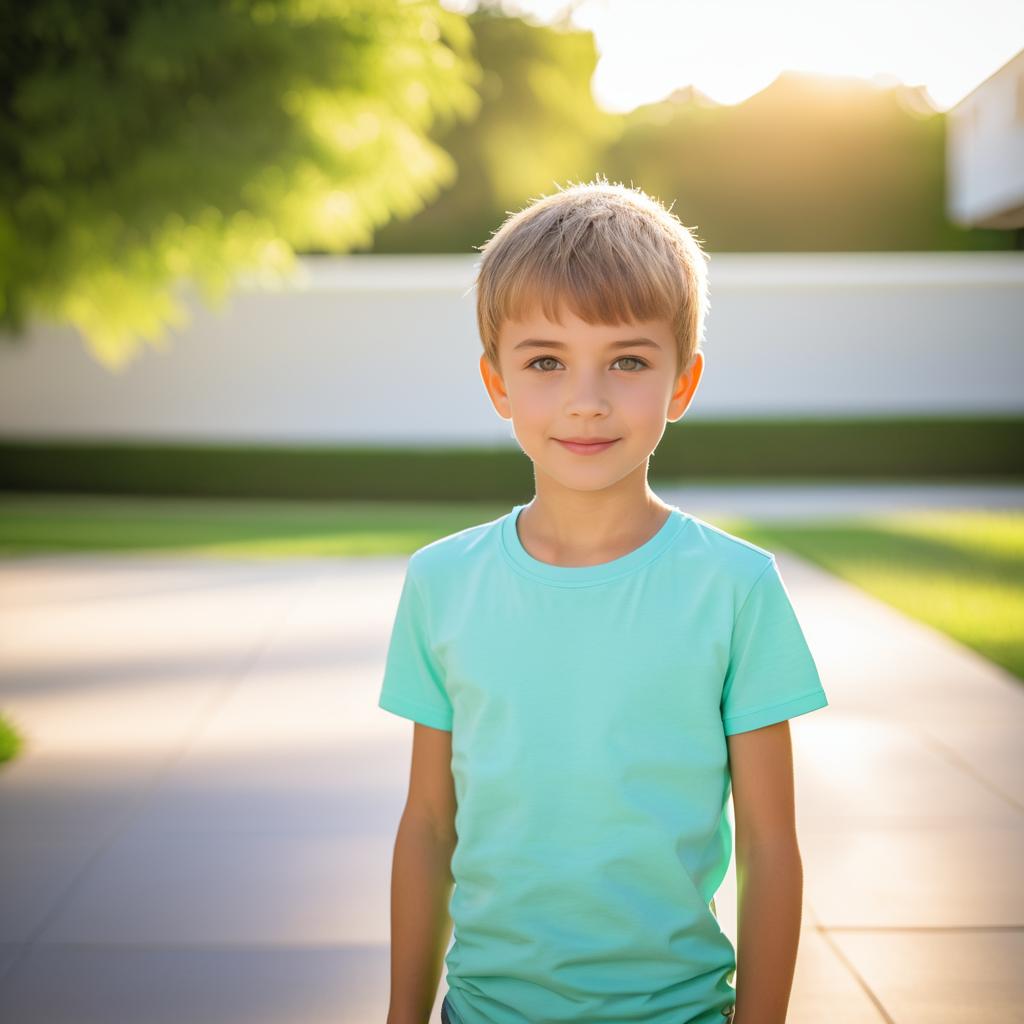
(585,382)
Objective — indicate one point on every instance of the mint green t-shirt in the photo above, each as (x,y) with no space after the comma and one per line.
(589,708)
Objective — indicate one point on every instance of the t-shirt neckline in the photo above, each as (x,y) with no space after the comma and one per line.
(587,575)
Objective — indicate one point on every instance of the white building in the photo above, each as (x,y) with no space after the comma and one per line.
(985,152)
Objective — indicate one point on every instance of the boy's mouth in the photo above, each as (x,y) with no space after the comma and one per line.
(589,446)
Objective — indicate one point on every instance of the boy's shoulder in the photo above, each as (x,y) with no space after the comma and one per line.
(721,541)
(450,553)
(740,558)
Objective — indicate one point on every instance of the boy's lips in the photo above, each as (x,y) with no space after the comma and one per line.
(587,446)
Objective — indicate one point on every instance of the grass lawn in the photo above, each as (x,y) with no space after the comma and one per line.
(960,571)
(10,739)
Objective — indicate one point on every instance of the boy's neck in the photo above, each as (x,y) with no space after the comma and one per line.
(582,534)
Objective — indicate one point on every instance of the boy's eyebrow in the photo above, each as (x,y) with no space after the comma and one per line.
(625,343)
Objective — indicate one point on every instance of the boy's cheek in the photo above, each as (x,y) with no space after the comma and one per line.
(530,411)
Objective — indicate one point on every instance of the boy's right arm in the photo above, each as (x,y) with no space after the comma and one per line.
(421,879)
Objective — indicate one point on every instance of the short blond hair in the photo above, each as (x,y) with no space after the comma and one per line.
(608,252)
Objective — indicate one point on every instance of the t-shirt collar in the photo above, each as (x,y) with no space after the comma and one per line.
(587,575)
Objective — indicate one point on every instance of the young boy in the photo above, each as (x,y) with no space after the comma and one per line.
(590,673)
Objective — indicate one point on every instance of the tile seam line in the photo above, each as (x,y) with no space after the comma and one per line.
(953,757)
(857,977)
(927,929)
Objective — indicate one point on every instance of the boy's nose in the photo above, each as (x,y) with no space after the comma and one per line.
(587,398)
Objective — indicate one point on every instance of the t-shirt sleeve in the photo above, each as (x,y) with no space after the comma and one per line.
(771,674)
(413,684)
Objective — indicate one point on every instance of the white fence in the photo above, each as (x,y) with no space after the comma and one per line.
(383,349)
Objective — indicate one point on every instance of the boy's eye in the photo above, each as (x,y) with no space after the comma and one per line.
(629,359)
(541,359)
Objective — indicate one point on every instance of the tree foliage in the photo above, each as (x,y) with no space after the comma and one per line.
(538,126)
(143,145)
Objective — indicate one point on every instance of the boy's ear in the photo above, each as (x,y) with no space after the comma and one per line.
(495,388)
(686,387)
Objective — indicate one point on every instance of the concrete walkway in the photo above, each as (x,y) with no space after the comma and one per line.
(201,827)
(839,501)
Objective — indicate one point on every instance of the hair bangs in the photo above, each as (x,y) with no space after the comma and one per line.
(587,291)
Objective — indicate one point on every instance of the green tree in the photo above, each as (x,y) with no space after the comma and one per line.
(144,145)
(539,125)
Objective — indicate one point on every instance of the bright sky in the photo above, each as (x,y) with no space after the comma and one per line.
(731,49)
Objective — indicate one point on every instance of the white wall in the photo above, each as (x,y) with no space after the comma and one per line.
(384,349)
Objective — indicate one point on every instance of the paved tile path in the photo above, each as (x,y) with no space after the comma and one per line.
(201,827)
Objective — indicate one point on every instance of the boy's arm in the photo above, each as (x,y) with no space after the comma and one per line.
(769,872)
(421,879)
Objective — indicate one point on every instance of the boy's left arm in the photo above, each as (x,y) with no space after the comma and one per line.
(769,872)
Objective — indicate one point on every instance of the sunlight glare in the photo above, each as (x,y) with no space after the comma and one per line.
(732,49)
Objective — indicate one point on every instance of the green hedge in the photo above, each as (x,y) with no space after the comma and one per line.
(776,451)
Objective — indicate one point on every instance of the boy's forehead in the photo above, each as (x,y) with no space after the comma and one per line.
(534,323)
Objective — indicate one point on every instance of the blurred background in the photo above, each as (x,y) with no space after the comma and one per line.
(239,386)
